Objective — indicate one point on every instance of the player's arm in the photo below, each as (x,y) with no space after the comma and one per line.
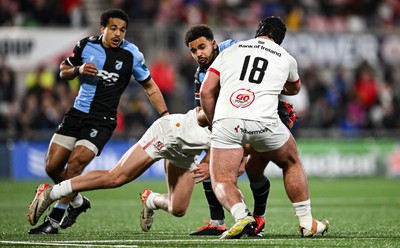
(201,117)
(291,88)
(201,171)
(70,72)
(293,83)
(209,93)
(155,97)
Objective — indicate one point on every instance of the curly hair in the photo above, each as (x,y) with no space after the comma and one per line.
(113,13)
(197,31)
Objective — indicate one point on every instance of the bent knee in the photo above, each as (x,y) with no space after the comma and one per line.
(55,173)
(178,212)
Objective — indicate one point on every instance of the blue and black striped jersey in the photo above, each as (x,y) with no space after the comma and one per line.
(101,93)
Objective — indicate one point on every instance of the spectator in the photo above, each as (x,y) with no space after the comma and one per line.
(163,72)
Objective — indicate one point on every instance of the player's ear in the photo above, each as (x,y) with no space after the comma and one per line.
(102,28)
(214,44)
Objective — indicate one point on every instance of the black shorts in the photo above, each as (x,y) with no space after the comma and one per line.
(95,128)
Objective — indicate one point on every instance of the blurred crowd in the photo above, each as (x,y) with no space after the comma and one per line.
(366,98)
(39,13)
(319,15)
(322,15)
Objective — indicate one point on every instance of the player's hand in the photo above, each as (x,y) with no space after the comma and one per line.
(88,69)
(201,172)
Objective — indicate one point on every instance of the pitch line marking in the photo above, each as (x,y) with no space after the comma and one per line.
(97,243)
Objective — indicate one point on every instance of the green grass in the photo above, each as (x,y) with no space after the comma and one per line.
(362,213)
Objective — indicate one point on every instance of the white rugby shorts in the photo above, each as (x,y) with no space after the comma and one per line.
(235,133)
(159,143)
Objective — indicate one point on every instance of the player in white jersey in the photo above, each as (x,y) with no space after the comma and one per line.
(265,67)
(177,138)
(239,97)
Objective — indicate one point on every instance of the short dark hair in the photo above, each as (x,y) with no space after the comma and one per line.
(272,27)
(113,13)
(197,31)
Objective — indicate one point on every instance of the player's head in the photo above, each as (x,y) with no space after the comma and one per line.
(272,27)
(113,13)
(198,31)
(113,25)
(200,41)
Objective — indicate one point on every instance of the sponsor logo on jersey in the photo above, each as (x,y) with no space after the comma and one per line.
(158,145)
(245,131)
(93,133)
(118,65)
(242,98)
(108,78)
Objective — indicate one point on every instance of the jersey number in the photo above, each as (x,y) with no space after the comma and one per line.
(257,72)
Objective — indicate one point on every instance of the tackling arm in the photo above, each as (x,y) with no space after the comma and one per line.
(208,94)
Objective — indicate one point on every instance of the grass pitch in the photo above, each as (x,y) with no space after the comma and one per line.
(362,213)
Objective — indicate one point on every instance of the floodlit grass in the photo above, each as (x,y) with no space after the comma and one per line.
(362,213)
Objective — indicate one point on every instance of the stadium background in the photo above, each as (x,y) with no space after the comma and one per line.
(348,53)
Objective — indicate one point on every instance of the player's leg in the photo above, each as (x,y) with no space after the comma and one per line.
(62,152)
(134,162)
(180,188)
(91,140)
(216,225)
(130,166)
(224,169)
(296,186)
(180,184)
(260,187)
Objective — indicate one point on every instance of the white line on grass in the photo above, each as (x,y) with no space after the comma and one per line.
(64,243)
(100,243)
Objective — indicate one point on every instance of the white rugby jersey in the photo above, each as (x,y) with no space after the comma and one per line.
(252,75)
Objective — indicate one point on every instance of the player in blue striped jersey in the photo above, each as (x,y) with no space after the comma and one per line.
(104,65)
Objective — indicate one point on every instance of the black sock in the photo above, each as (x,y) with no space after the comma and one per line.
(216,209)
(57,214)
(260,196)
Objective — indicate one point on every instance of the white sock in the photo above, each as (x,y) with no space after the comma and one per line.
(60,190)
(150,200)
(217,222)
(303,212)
(77,201)
(239,211)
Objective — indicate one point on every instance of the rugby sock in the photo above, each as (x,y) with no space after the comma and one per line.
(239,211)
(216,209)
(77,201)
(60,190)
(303,212)
(57,214)
(150,200)
(217,223)
(260,194)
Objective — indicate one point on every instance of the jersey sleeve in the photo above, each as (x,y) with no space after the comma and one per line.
(139,69)
(216,65)
(293,73)
(76,58)
(225,44)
